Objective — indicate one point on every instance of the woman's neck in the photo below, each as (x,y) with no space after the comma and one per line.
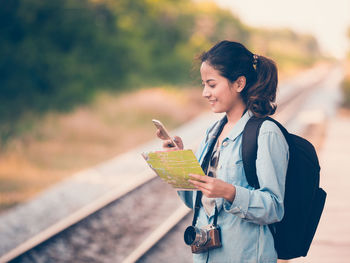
(235,113)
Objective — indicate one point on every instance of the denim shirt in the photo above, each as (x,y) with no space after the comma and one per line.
(245,235)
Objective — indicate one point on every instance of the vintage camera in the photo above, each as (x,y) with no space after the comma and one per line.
(202,239)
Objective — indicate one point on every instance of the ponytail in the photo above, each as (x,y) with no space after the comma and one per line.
(260,97)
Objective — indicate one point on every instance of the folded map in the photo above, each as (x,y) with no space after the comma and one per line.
(174,167)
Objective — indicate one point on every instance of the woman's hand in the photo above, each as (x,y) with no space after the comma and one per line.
(213,187)
(167,145)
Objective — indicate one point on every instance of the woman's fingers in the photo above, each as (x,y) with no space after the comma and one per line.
(178,142)
(160,134)
(198,184)
(201,178)
(201,182)
(202,187)
(169,146)
(213,187)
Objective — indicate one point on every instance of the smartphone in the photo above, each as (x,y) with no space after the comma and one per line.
(164,131)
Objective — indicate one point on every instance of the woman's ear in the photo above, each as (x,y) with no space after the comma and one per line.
(241,81)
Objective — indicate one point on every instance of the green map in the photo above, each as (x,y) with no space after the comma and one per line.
(174,167)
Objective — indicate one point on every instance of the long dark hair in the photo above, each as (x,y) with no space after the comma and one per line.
(233,60)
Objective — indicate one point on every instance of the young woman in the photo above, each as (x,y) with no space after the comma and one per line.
(241,84)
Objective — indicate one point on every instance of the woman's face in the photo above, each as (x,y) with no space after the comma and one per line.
(222,94)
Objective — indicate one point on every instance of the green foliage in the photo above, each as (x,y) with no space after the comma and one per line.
(58,53)
(54,54)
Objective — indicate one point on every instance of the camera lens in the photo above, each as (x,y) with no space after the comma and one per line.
(195,236)
(190,235)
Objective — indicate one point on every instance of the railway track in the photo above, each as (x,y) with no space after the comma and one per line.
(126,226)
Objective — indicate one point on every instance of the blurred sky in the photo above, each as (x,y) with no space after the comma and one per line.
(327,20)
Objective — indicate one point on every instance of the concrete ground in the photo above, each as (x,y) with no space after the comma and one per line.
(331,243)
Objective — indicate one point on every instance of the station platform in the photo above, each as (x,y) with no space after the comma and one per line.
(332,240)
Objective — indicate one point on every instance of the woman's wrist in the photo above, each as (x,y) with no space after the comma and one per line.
(230,193)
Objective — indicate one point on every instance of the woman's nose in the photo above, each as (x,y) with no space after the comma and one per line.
(205,93)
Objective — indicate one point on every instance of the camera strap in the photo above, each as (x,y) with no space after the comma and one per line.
(198,206)
(204,166)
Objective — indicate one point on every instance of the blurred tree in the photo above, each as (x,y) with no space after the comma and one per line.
(286,47)
(56,54)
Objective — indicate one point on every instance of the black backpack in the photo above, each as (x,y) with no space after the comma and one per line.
(304,199)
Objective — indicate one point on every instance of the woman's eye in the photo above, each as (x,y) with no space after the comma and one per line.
(210,85)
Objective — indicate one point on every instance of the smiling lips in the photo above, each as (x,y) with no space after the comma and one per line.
(212,102)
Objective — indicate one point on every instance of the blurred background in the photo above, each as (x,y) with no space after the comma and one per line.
(80,80)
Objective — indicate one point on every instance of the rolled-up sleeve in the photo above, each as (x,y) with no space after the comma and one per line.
(264,205)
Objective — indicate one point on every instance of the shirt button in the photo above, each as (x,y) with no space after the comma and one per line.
(224,143)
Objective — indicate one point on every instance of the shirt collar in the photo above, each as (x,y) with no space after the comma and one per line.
(237,128)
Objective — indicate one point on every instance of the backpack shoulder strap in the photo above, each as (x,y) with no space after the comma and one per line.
(249,149)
